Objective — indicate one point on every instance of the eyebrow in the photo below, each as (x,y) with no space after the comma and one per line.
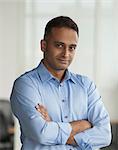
(59,42)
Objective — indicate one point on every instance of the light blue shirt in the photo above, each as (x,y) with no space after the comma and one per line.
(76,98)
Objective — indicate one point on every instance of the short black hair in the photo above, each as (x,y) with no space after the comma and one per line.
(60,21)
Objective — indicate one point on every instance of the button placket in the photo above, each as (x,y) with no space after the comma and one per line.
(64,102)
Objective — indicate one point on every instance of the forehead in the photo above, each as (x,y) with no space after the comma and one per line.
(63,34)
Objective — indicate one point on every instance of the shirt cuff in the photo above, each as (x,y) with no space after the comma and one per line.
(64,132)
(82,141)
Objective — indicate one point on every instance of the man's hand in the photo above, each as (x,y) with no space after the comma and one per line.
(71,141)
(80,126)
(77,127)
(44,112)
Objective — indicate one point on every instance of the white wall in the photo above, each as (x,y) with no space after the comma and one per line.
(21,28)
(11,45)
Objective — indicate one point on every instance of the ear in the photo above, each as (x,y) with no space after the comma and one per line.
(43,45)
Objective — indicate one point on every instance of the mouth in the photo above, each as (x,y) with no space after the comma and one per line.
(63,61)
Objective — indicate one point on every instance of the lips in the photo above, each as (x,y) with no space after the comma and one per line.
(63,61)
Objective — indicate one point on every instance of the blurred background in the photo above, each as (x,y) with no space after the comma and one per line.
(22,24)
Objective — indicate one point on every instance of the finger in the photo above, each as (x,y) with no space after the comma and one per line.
(46,116)
(39,108)
(43,110)
(42,106)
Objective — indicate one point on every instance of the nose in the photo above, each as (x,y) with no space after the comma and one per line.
(66,52)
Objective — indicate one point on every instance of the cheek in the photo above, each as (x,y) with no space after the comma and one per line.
(51,55)
(49,52)
(72,56)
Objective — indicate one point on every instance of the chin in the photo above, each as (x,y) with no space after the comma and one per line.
(62,68)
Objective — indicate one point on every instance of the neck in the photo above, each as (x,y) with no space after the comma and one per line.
(59,74)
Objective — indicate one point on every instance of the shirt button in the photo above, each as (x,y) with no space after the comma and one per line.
(66,116)
(63,100)
(61,84)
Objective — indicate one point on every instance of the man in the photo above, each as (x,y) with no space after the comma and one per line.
(56,109)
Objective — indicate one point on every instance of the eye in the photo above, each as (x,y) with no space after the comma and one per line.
(72,48)
(59,45)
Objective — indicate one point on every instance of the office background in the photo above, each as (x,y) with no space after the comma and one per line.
(22,25)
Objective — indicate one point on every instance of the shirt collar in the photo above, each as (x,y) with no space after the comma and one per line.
(45,75)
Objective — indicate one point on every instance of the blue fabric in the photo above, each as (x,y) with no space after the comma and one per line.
(76,98)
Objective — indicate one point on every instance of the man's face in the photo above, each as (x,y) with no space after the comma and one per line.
(59,48)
